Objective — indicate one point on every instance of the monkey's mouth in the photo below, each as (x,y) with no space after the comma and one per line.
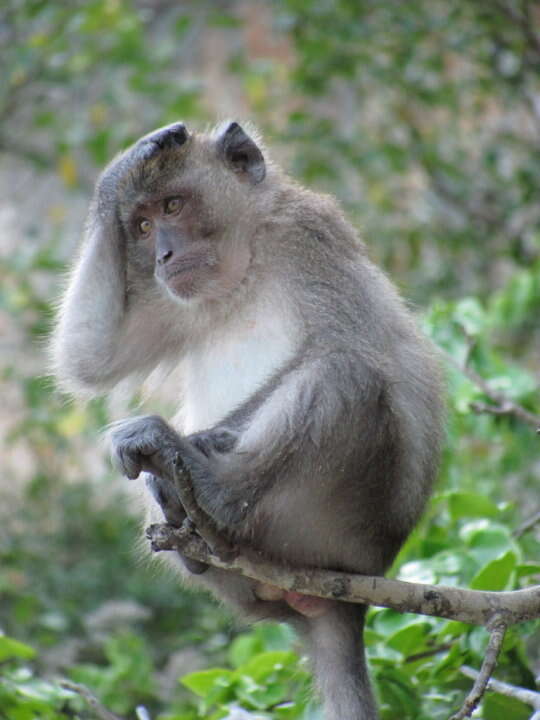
(186,275)
(182,267)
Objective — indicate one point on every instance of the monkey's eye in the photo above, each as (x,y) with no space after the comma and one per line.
(144,225)
(172,205)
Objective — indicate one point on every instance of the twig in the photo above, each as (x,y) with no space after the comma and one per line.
(527,525)
(101,711)
(523,22)
(494,610)
(428,653)
(529,697)
(470,606)
(507,407)
(205,525)
(501,404)
(497,628)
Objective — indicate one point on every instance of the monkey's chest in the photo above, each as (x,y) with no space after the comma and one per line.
(225,371)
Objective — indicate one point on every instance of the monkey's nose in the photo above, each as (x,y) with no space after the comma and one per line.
(164,257)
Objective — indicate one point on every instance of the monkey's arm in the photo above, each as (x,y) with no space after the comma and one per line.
(287,423)
(100,338)
(106,331)
(86,343)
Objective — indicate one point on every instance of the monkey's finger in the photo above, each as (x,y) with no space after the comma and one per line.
(175,134)
(164,493)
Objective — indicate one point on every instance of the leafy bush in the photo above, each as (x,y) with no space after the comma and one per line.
(421,117)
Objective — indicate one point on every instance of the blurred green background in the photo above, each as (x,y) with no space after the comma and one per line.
(423,118)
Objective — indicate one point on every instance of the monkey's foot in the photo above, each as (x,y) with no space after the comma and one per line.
(308,605)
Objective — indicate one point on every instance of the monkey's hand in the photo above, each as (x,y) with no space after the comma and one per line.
(221,440)
(140,152)
(144,443)
(147,443)
(166,496)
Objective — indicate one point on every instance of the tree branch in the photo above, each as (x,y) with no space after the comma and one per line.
(497,628)
(204,524)
(199,540)
(100,710)
(529,697)
(469,606)
(501,404)
(527,525)
(523,22)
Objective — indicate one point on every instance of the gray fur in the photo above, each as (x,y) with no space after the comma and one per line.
(321,444)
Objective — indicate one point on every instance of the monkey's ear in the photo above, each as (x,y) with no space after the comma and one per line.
(241,152)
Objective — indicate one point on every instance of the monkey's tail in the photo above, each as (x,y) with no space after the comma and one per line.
(339,663)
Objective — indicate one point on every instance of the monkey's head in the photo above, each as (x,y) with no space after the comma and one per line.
(186,205)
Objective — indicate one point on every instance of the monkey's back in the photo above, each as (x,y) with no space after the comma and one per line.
(370,402)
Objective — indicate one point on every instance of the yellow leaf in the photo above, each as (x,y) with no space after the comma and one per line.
(256,89)
(57,213)
(38,39)
(68,170)
(72,424)
(98,114)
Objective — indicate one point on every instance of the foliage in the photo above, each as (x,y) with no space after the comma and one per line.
(423,118)
(437,140)
(94,53)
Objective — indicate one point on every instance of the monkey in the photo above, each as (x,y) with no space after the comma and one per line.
(311,411)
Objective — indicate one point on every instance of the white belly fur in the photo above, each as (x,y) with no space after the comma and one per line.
(233,363)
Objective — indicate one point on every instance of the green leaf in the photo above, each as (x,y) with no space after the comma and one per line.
(497,574)
(410,639)
(243,648)
(397,692)
(10,648)
(264,637)
(500,707)
(265,663)
(468,504)
(488,540)
(418,571)
(203,682)
(470,315)
(527,569)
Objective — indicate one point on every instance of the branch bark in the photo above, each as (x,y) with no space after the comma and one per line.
(204,524)
(500,404)
(199,540)
(475,607)
(527,525)
(100,710)
(529,697)
(497,629)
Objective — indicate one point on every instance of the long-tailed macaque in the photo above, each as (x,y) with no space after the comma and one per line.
(310,412)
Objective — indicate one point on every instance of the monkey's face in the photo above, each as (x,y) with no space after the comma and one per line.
(175,235)
(182,209)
